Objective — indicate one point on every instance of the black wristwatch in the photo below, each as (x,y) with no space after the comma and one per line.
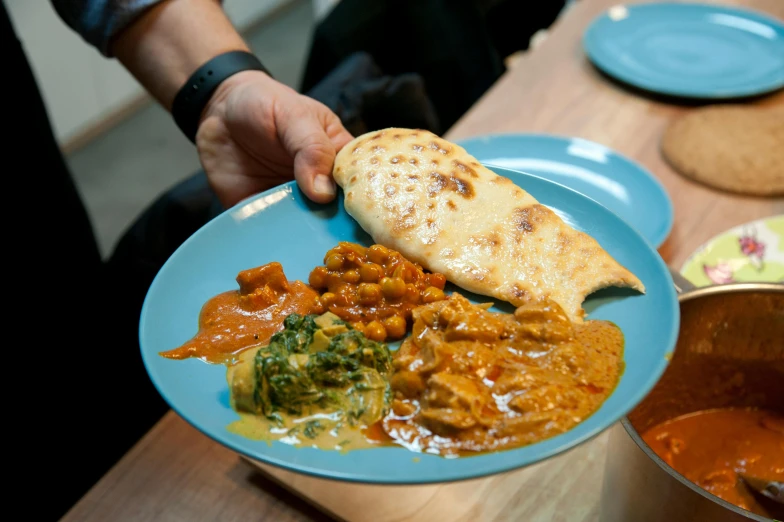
(197,91)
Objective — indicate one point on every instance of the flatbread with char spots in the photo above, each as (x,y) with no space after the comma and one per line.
(436,204)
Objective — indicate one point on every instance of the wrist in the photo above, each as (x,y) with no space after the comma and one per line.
(199,92)
(216,105)
(170,40)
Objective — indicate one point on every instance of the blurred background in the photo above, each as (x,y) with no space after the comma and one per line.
(124,150)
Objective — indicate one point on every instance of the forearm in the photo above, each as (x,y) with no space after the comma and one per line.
(168,42)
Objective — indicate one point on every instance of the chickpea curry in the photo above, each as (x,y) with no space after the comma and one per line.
(374,289)
(470,380)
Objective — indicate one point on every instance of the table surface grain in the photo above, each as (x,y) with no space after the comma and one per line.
(177,473)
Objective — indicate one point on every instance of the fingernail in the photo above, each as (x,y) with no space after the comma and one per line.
(324,185)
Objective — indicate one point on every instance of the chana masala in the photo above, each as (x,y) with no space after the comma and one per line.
(374,289)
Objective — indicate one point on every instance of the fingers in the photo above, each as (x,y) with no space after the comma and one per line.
(313,141)
(314,154)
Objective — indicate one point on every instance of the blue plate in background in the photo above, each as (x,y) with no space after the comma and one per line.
(689,49)
(281,225)
(613,180)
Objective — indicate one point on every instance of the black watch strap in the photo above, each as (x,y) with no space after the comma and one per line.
(197,91)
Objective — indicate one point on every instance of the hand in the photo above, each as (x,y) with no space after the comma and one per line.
(256,132)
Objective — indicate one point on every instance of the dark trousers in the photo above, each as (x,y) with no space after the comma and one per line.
(78,395)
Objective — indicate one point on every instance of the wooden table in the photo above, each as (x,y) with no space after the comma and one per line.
(176,473)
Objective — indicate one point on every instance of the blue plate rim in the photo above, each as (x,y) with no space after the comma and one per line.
(670,209)
(473,474)
(611,68)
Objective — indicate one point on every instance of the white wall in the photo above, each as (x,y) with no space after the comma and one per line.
(79,85)
(247,12)
(321,8)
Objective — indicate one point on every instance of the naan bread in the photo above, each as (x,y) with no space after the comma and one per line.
(433,202)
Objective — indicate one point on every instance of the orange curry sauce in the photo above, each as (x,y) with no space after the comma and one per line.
(233,321)
(711,447)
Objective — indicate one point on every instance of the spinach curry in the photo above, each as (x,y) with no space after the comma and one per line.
(319,382)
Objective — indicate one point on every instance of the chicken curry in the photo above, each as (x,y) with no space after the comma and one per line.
(470,380)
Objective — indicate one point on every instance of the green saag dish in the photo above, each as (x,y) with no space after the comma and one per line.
(314,379)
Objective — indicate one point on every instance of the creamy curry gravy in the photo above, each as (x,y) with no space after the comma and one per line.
(470,380)
(297,432)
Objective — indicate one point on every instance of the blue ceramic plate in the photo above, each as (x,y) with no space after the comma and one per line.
(689,50)
(592,169)
(281,225)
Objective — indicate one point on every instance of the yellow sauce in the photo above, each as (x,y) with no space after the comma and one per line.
(331,437)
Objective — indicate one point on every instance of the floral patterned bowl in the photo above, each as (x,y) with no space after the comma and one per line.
(752,252)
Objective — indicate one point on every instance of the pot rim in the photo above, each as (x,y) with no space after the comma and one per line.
(688,295)
(729,288)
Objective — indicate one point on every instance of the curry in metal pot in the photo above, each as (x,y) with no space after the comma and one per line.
(712,448)
(470,380)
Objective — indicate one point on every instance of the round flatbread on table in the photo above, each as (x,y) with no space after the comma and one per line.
(732,148)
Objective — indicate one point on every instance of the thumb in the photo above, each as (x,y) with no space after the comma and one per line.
(314,154)
(338,134)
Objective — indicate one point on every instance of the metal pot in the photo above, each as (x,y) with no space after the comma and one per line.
(730,353)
